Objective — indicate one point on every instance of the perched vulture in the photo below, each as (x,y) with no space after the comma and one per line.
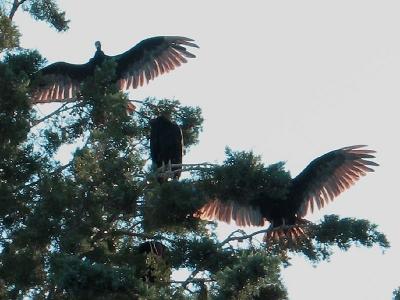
(157,249)
(153,247)
(166,145)
(320,182)
(135,67)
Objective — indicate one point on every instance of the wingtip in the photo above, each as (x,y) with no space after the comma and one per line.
(354,147)
(183,40)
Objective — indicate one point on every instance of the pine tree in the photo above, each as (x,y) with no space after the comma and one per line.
(41,10)
(75,230)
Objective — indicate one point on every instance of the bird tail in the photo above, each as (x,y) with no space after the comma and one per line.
(287,233)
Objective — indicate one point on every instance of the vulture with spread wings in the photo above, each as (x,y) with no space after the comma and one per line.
(150,58)
(319,183)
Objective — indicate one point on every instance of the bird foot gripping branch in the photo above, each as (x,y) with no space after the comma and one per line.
(171,170)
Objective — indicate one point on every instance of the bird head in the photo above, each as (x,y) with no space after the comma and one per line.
(98,45)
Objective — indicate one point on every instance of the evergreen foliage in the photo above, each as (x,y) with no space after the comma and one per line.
(9,34)
(396,294)
(41,10)
(71,230)
(244,179)
(47,11)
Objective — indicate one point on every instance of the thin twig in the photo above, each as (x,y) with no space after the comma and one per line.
(59,110)
(60,169)
(231,238)
(190,278)
(184,168)
(193,280)
(140,235)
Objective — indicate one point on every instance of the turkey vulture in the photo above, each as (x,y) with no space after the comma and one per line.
(157,249)
(153,247)
(166,146)
(135,67)
(320,182)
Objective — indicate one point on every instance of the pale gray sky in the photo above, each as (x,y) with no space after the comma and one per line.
(290,80)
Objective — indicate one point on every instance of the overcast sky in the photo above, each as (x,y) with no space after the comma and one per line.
(290,80)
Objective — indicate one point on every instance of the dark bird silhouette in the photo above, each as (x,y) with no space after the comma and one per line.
(166,146)
(135,67)
(153,247)
(158,250)
(320,182)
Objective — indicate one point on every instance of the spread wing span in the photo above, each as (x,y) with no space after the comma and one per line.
(145,61)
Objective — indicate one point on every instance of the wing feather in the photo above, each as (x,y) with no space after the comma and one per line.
(329,175)
(231,211)
(153,57)
(60,81)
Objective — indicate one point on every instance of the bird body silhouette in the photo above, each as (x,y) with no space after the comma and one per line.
(158,251)
(150,58)
(153,247)
(319,183)
(166,145)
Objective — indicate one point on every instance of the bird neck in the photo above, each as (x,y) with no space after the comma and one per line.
(98,57)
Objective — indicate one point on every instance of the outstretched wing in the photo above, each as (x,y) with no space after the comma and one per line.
(60,81)
(328,176)
(231,211)
(150,58)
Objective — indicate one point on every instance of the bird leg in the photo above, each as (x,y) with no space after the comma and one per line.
(161,172)
(167,172)
(169,166)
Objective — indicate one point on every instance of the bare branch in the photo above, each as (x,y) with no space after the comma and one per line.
(193,280)
(169,173)
(60,169)
(244,236)
(14,8)
(57,111)
(140,235)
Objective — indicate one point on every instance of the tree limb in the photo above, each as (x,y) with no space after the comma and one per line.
(59,110)
(14,8)
(244,236)
(193,280)
(140,235)
(60,169)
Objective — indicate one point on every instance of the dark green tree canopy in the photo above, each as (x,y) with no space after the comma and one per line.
(41,10)
(396,294)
